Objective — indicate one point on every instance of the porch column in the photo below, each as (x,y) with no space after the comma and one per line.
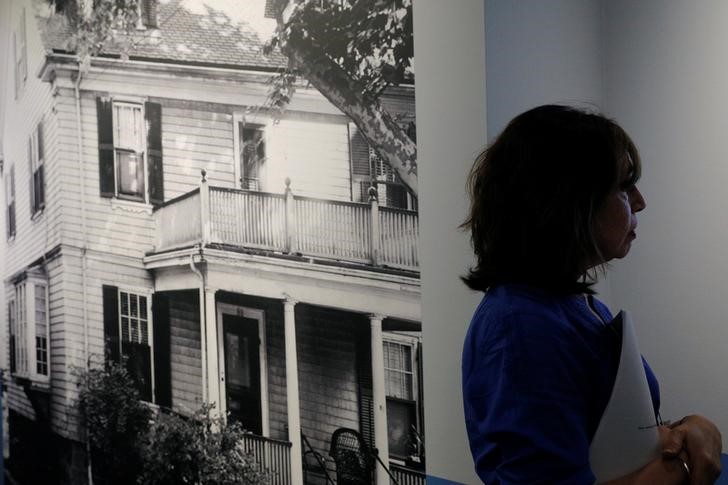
(292,400)
(211,351)
(381,439)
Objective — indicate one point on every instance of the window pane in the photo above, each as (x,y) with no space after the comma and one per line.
(127,123)
(400,423)
(130,171)
(125,329)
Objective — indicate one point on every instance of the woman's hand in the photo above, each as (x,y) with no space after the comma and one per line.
(700,439)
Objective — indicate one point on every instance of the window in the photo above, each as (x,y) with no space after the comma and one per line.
(30,329)
(128,336)
(147,13)
(400,377)
(130,150)
(37,180)
(20,55)
(368,169)
(252,155)
(10,201)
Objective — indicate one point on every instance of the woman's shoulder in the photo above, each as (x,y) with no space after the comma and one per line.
(509,301)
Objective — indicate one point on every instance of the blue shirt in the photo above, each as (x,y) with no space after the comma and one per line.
(538,371)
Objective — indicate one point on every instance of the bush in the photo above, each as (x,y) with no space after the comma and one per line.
(129,447)
(198,450)
(116,422)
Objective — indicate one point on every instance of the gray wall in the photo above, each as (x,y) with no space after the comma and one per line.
(666,78)
(450,105)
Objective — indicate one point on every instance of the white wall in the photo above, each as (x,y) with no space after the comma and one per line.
(666,76)
(543,52)
(450,105)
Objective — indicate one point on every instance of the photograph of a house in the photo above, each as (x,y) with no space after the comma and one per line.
(226,205)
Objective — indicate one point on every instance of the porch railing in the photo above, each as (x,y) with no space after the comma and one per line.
(273,457)
(406,476)
(345,231)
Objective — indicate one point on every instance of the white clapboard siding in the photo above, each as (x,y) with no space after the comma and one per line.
(313,153)
(68,343)
(186,360)
(35,103)
(193,140)
(326,369)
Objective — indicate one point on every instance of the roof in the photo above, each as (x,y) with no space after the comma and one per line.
(221,33)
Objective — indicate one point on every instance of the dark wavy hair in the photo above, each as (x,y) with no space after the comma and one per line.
(534,193)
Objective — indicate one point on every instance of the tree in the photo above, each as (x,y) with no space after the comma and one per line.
(350,50)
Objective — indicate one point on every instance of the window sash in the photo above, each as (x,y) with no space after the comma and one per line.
(30,330)
(399,370)
(135,328)
(42,330)
(129,157)
(252,154)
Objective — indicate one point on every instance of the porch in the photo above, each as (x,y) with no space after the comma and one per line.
(274,457)
(238,351)
(345,232)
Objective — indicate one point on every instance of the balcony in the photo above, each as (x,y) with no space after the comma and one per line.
(289,224)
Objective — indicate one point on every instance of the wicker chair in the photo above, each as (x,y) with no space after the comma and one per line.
(354,462)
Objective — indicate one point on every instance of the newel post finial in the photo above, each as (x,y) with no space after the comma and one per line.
(203,172)
(373,195)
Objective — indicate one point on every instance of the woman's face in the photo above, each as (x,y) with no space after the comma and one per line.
(616,220)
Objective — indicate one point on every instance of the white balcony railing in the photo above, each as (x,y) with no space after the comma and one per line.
(286,223)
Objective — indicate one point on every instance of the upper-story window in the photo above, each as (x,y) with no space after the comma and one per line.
(20,53)
(36,155)
(130,150)
(369,170)
(10,201)
(30,329)
(252,155)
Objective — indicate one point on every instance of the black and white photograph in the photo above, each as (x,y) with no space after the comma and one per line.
(211,243)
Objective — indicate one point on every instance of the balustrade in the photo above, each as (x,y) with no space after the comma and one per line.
(345,231)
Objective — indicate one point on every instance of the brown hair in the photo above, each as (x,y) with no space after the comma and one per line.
(534,193)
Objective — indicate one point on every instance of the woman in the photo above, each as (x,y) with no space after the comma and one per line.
(553,199)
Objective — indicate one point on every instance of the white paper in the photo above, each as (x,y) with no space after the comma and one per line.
(627,437)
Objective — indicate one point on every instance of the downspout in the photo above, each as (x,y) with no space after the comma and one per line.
(79,141)
(203,322)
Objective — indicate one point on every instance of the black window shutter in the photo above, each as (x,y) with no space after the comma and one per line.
(149,13)
(11,206)
(365,385)
(153,114)
(106,146)
(111,324)
(32,195)
(11,318)
(162,350)
(359,153)
(39,177)
(41,151)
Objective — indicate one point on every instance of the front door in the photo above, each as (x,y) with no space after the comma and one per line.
(242,371)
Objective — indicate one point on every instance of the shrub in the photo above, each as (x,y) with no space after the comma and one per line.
(129,447)
(198,450)
(116,422)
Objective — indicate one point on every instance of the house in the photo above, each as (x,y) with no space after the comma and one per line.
(154,209)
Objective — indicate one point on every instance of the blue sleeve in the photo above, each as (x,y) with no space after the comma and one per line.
(526,387)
